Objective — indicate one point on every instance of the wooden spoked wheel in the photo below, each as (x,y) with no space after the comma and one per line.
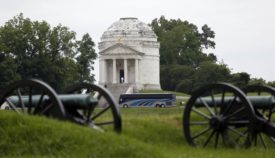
(103,115)
(264,110)
(32,97)
(218,115)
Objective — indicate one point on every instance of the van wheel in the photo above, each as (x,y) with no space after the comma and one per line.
(157,106)
(162,106)
(125,106)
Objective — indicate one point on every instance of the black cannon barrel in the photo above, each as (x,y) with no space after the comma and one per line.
(68,100)
(262,102)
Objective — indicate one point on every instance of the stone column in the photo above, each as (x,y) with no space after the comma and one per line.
(100,71)
(104,71)
(114,71)
(125,71)
(136,71)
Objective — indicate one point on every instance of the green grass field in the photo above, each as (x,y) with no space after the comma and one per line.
(147,132)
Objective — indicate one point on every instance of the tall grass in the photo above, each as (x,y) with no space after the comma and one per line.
(147,132)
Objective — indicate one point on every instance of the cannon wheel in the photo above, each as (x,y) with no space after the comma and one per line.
(29,89)
(99,116)
(224,120)
(267,114)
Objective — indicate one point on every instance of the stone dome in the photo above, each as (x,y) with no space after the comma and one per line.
(126,50)
(129,24)
(130,28)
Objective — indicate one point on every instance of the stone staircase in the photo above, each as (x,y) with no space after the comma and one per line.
(117,89)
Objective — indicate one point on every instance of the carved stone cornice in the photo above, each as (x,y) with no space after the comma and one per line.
(120,49)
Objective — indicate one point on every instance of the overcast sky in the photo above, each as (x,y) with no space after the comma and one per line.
(244,28)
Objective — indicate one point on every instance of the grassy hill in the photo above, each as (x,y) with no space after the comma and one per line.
(147,132)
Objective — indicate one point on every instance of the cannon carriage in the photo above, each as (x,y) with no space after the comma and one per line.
(218,115)
(82,103)
(222,115)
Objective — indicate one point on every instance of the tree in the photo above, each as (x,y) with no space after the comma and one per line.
(7,70)
(256,81)
(183,63)
(209,72)
(181,43)
(206,36)
(86,57)
(171,75)
(41,51)
(240,79)
(185,86)
(271,83)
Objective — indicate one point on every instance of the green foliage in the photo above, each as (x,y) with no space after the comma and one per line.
(255,81)
(206,35)
(7,70)
(171,75)
(86,57)
(241,79)
(184,65)
(36,50)
(185,85)
(181,43)
(185,78)
(271,83)
(209,72)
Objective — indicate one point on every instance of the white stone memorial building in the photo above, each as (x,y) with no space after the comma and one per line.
(129,56)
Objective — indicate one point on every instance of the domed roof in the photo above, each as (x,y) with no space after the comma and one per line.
(129,24)
(131,28)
